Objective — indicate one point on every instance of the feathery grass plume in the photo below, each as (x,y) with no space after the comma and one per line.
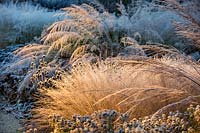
(189,29)
(80,27)
(160,50)
(138,87)
(149,49)
(66,44)
(78,53)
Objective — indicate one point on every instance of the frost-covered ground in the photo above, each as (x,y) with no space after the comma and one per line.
(8,123)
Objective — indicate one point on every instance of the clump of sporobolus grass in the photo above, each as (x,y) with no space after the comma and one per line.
(139,86)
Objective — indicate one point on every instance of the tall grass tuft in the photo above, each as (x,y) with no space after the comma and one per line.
(138,87)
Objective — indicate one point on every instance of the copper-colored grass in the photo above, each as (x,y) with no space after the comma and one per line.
(138,87)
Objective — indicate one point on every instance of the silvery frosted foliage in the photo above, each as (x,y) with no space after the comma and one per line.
(112,121)
(21,22)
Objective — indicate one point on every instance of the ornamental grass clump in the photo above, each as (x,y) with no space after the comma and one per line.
(79,28)
(139,86)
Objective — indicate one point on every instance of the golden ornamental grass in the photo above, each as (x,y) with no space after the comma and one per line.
(137,87)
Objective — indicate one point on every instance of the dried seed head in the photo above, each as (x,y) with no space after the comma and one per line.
(35,130)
